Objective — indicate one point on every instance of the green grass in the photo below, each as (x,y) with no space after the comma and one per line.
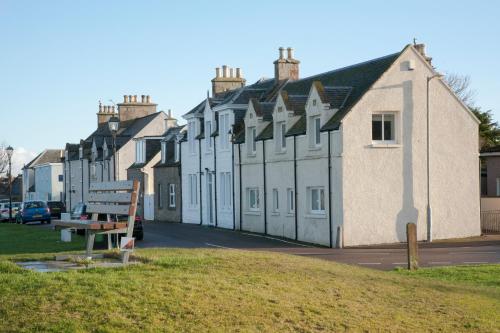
(229,290)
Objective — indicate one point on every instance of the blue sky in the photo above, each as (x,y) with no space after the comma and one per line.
(59,58)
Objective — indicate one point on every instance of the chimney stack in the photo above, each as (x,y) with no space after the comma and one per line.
(421,49)
(132,109)
(170,121)
(231,79)
(286,69)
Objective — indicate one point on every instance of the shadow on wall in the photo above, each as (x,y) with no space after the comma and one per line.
(408,212)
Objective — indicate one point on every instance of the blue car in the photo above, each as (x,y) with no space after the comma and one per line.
(33,211)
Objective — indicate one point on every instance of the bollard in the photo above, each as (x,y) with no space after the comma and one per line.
(411,237)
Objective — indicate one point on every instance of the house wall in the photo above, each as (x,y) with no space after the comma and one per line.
(385,187)
(166,176)
(189,165)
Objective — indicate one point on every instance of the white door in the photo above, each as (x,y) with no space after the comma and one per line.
(149,210)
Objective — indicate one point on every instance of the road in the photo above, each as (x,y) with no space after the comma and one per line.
(383,258)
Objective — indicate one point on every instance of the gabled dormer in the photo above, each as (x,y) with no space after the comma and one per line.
(93,152)
(105,150)
(257,118)
(210,126)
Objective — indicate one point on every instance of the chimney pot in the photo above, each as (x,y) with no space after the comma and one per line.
(224,71)
(231,72)
(125,99)
(290,53)
(169,113)
(217,72)
(130,98)
(238,73)
(282,51)
(100,107)
(143,98)
(135,98)
(148,99)
(113,109)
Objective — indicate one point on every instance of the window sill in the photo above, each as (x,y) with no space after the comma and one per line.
(252,155)
(255,213)
(290,214)
(280,152)
(315,148)
(315,216)
(385,145)
(275,214)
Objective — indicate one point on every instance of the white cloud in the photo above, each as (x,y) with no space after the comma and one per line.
(21,157)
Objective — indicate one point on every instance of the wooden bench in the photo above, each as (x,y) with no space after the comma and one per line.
(110,199)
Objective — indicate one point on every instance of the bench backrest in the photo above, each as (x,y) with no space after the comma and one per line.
(112,198)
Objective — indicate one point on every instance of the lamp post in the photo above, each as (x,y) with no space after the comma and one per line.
(10,151)
(114,125)
(429,209)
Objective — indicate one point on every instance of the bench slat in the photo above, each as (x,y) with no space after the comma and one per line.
(122,185)
(92,225)
(108,209)
(110,197)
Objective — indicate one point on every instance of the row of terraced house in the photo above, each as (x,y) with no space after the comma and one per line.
(342,158)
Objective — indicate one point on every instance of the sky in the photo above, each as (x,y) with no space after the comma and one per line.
(59,58)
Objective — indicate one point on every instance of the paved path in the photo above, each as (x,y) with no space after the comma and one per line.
(385,258)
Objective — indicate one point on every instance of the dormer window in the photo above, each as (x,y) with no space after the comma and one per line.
(163,152)
(140,151)
(280,136)
(315,131)
(251,143)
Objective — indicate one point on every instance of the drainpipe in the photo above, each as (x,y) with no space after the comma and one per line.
(214,185)
(264,173)
(241,205)
(295,186)
(232,184)
(199,165)
(330,190)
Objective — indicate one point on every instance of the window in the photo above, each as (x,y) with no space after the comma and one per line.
(80,152)
(317,200)
(171,195)
(224,131)
(280,109)
(140,151)
(290,201)
(193,190)
(160,201)
(251,143)
(315,127)
(225,190)
(60,178)
(93,172)
(191,136)
(208,132)
(314,102)
(253,199)
(280,136)
(383,127)
(176,151)
(276,206)
(163,151)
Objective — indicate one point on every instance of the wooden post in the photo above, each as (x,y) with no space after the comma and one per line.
(411,236)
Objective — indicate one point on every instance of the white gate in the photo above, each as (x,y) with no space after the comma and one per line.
(149,207)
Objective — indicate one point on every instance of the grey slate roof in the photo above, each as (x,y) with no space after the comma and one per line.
(47,156)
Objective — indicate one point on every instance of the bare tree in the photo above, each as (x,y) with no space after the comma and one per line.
(460,84)
(4,159)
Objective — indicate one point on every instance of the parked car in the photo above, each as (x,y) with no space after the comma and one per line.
(33,211)
(79,212)
(56,208)
(4,210)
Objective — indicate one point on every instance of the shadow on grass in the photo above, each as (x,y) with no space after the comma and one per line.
(23,239)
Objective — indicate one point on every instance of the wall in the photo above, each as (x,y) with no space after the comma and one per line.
(385,186)
(166,176)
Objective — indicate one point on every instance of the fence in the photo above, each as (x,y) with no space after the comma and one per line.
(490,221)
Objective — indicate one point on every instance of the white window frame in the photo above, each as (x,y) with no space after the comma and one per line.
(276,203)
(171,195)
(193,190)
(251,143)
(191,136)
(255,206)
(320,201)
(225,190)
(163,151)
(140,151)
(176,151)
(316,125)
(280,136)
(290,201)
(394,128)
